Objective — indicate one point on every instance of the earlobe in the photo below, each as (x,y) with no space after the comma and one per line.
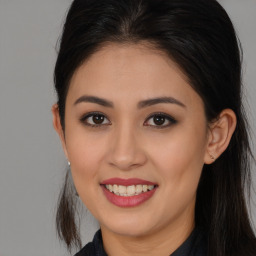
(220,133)
(58,127)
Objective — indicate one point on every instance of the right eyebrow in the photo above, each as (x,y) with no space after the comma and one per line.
(93,99)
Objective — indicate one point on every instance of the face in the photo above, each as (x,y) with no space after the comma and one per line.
(134,126)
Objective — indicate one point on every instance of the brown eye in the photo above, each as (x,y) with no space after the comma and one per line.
(160,120)
(98,119)
(95,119)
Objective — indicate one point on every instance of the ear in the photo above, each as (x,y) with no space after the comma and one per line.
(220,133)
(58,127)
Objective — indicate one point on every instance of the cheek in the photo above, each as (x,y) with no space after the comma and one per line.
(85,157)
(180,157)
(85,154)
(179,165)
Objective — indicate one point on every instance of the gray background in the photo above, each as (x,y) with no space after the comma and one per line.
(31,160)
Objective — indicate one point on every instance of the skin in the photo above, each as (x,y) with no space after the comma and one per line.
(129,144)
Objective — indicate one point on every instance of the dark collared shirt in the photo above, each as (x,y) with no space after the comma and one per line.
(195,245)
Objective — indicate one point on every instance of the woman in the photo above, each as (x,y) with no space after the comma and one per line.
(151,121)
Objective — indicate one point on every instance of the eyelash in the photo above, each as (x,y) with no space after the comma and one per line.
(170,119)
(91,114)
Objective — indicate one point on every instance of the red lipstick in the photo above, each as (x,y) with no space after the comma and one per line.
(127,201)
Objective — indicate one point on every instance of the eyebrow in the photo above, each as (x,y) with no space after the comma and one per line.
(141,104)
(154,101)
(93,99)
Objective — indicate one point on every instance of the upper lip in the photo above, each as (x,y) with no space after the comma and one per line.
(126,182)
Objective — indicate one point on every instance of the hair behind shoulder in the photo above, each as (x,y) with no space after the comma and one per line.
(199,36)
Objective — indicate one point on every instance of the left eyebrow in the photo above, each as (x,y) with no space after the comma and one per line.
(154,101)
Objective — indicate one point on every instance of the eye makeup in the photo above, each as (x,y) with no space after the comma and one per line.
(158,120)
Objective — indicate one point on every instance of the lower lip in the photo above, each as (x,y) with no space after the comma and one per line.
(127,201)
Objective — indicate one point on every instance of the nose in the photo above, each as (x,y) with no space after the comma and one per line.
(126,150)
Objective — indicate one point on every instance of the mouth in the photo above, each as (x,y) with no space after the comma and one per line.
(128,192)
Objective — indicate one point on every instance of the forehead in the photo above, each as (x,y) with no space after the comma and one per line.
(137,71)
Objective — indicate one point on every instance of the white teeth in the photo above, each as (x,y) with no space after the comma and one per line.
(144,188)
(115,189)
(122,190)
(138,189)
(150,187)
(129,190)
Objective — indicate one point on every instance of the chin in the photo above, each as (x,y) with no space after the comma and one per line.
(133,226)
(129,230)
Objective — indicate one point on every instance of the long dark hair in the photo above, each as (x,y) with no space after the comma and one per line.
(199,36)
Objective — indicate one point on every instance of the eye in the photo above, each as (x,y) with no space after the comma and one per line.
(95,119)
(160,120)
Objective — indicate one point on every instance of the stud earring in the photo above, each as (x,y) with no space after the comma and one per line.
(68,163)
(212,157)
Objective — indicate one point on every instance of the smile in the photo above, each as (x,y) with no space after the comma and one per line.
(132,190)
(128,192)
